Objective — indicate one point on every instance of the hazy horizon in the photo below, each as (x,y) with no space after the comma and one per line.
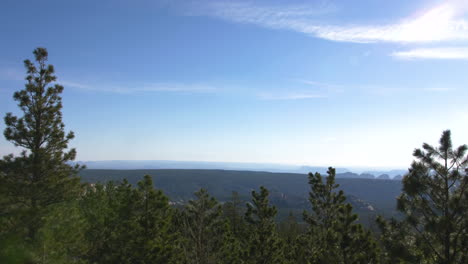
(237,166)
(317,83)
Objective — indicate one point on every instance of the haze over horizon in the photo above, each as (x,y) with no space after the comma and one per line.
(193,164)
(322,83)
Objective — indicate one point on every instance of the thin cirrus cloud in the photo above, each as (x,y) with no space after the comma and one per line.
(11,74)
(148,87)
(289,96)
(313,90)
(441,24)
(171,87)
(320,90)
(444,22)
(324,87)
(440,89)
(434,53)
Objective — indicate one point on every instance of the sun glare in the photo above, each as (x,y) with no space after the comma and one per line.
(434,25)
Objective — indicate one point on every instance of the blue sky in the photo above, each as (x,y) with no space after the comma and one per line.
(330,83)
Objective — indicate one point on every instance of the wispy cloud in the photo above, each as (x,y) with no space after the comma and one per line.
(11,74)
(434,53)
(331,90)
(14,74)
(444,22)
(290,96)
(323,87)
(308,89)
(440,89)
(75,85)
(249,12)
(147,87)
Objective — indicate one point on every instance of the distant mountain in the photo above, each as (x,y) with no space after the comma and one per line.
(398,177)
(384,177)
(321,170)
(366,176)
(390,173)
(352,175)
(347,175)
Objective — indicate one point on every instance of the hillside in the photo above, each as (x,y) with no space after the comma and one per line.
(289,191)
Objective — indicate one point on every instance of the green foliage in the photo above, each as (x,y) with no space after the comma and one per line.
(290,191)
(41,175)
(234,231)
(333,235)
(264,244)
(38,181)
(234,211)
(14,250)
(202,229)
(290,231)
(398,242)
(434,201)
(129,225)
(231,247)
(61,238)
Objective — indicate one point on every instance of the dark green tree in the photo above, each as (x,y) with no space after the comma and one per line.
(98,208)
(264,244)
(434,201)
(398,243)
(62,237)
(231,247)
(233,211)
(129,225)
(203,229)
(290,230)
(41,176)
(334,236)
(153,236)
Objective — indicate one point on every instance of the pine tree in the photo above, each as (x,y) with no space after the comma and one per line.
(129,225)
(62,237)
(41,176)
(264,244)
(233,212)
(203,229)
(434,201)
(290,231)
(398,242)
(334,236)
(153,240)
(109,211)
(231,247)
(290,228)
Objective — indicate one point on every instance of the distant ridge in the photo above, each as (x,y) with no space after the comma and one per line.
(168,164)
(384,177)
(390,173)
(240,166)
